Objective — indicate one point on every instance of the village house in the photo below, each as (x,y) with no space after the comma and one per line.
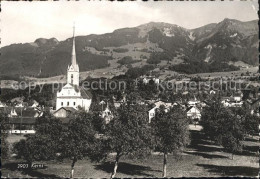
(193,102)
(2,105)
(151,112)
(212,92)
(253,106)
(64,112)
(235,101)
(22,119)
(117,104)
(147,79)
(19,105)
(107,115)
(33,104)
(193,112)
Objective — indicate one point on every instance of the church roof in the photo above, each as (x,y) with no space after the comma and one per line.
(85,94)
(70,86)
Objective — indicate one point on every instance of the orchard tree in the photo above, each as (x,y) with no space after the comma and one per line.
(231,143)
(4,126)
(171,132)
(44,144)
(78,138)
(55,140)
(212,119)
(250,121)
(223,126)
(128,134)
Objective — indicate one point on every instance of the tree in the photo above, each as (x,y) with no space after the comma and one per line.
(251,123)
(128,134)
(55,140)
(170,128)
(223,126)
(212,120)
(4,126)
(78,138)
(44,144)
(231,143)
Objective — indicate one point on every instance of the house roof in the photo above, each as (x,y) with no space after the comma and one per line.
(70,109)
(23,120)
(2,103)
(159,103)
(32,102)
(189,108)
(18,120)
(21,111)
(257,100)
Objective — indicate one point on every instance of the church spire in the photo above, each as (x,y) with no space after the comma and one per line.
(73,69)
(73,55)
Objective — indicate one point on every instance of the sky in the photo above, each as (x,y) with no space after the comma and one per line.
(23,22)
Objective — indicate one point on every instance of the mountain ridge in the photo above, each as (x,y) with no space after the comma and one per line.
(228,40)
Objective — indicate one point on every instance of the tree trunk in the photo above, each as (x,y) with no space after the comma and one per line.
(72,167)
(164,164)
(115,167)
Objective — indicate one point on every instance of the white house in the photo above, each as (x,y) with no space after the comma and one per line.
(232,101)
(13,113)
(146,79)
(117,104)
(19,105)
(212,92)
(193,112)
(193,102)
(151,112)
(71,95)
(2,105)
(107,115)
(237,98)
(35,104)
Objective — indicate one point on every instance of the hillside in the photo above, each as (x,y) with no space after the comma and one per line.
(151,43)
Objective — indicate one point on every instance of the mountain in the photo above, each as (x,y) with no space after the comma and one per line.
(228,40)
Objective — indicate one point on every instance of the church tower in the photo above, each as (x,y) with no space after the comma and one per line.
(72,96)
(73,69)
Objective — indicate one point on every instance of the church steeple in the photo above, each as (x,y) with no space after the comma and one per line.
(73,69)
(73,54)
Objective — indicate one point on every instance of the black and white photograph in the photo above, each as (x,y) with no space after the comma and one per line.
(130,89)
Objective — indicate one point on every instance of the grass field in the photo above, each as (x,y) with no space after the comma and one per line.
(200,159)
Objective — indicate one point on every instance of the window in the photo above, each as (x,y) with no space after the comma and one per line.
(61,103)
(71,78)
(74,103)
(68,103)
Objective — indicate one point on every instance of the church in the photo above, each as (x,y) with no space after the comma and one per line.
(72,96)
